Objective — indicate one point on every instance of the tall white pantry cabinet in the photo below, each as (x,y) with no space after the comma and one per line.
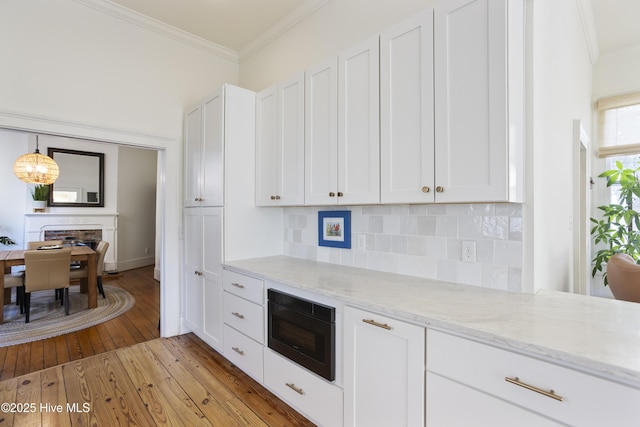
(220,221)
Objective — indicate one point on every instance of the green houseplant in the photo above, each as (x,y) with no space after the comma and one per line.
(619,227)
(40,195)
(40,192)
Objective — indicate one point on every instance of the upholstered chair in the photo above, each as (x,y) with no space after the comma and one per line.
(81,273)
(13,280)
(46,269)
(623,275)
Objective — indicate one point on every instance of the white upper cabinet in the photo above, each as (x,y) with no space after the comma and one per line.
(280,144)
(359,124)
(478,56)
(342,119)
(321,133)
(204,152)
(406,111)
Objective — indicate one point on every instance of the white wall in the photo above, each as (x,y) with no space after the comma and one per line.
(67,61)
(13,192)
(617,72)
(136,207)
(559,91)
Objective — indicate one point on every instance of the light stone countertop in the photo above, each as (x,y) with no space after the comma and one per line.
(592,334)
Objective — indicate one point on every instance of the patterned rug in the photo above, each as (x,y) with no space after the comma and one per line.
(47,318)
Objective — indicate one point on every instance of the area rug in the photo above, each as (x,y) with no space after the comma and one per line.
(47,318)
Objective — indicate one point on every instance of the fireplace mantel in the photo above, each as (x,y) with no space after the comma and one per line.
(36,224)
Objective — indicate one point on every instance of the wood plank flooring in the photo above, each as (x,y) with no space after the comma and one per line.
(137,325)
(120,373)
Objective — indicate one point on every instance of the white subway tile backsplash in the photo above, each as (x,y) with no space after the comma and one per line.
(421,240)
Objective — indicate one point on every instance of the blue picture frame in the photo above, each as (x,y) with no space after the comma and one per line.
(334,229)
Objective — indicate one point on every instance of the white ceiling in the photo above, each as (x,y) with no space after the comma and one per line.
(229,23)
(235,23)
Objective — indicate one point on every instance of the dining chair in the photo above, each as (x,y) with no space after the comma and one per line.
(14,280)
(37,244)
(81,273)
(46,270)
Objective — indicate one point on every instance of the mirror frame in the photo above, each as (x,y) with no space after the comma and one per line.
(51,152)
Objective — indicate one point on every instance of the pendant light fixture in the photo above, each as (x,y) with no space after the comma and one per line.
(36,168)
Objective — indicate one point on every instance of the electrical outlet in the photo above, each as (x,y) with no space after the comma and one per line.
(362,242)
(468,251)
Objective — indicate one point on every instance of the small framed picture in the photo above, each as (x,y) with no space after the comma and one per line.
(334,229)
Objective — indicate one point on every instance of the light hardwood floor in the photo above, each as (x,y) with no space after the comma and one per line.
(122,374)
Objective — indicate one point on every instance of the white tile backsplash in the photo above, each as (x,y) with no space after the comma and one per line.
(421,240)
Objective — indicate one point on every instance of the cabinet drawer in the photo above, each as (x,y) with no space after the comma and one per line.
(586,400)
(243,352)
(243,286)
(314,397)
(244,316)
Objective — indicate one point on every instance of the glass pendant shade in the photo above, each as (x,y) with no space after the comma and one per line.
(36,168)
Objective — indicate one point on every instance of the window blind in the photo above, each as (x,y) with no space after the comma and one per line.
(619,125)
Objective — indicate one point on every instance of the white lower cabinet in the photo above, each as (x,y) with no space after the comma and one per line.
(243,352)
(472,383)
(314,397)
(383,370)
(243,314)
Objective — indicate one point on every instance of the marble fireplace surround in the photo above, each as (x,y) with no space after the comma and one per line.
(35,226)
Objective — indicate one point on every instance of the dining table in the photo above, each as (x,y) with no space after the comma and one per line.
(84,254)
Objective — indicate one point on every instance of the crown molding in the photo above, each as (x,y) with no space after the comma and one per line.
(589,27)
(282,26)
(148,23)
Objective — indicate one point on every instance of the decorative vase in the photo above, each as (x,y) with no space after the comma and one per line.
(39,205)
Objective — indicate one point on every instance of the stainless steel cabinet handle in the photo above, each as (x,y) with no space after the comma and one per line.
(425,189)
(238,315)
(237,350)
(552,394)
(293,387)
(379,325)
(439,189)
(238,285)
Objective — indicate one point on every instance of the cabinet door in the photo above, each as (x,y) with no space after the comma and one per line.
(291,141)
(192,158)
(211,256)
(471,99)
(383,370)
(192,269)
(213,149)
(266,147)
(406,110)
(321,134)
(359,124)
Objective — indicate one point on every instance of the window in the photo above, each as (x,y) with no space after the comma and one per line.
(619,125)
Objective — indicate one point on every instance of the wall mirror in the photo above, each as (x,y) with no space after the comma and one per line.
(81,179)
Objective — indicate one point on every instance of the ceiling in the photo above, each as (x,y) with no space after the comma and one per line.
(235,23)
(228,23)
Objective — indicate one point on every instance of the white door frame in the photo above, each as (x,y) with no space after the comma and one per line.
(581,247)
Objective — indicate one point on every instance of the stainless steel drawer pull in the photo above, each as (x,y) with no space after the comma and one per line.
(237,350)
(238,315)
(293,387)
(379,325)
(552,394)
(237,285)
